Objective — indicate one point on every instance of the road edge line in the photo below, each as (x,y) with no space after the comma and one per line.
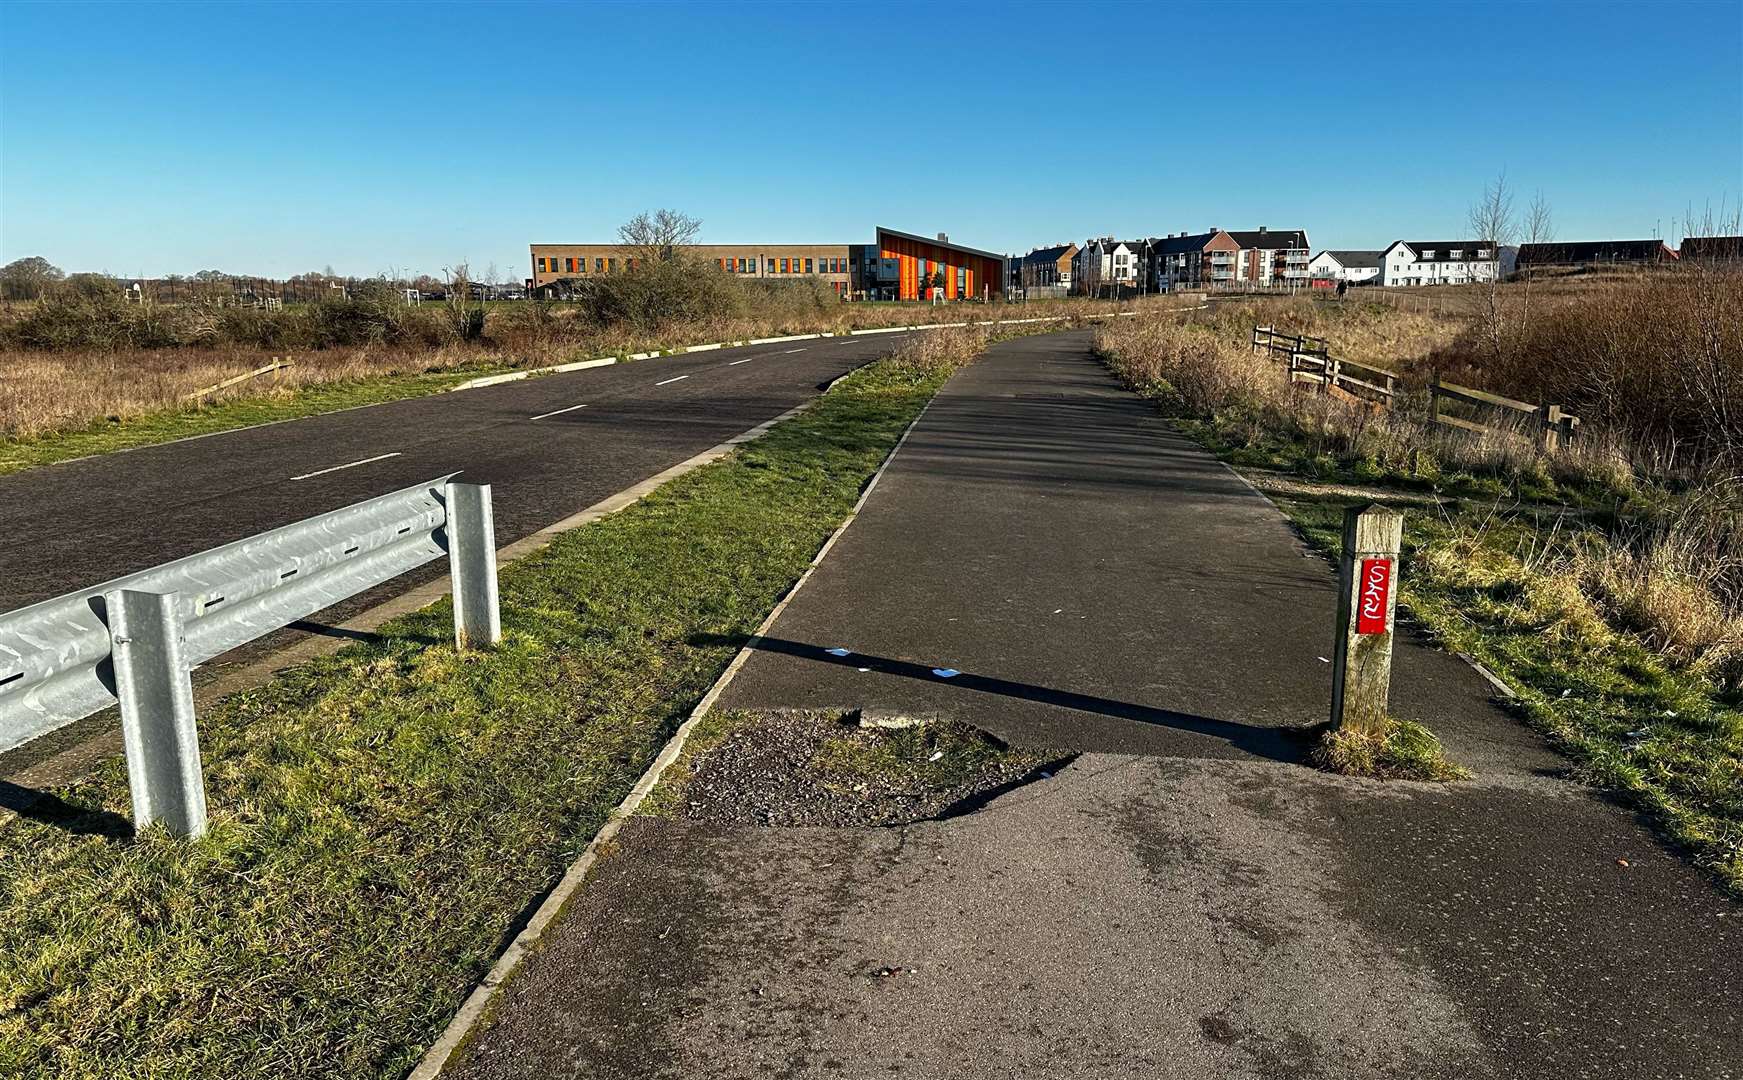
(478,1003)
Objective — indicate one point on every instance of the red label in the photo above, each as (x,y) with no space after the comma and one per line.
(1375,591)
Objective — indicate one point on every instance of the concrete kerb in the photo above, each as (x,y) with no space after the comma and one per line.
(478,1004)
(604,361)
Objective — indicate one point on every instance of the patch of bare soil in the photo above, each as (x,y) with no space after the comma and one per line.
(823,769)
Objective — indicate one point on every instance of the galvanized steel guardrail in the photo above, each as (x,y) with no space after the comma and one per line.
(134,640)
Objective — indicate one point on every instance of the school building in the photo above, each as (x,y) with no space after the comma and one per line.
(899,266)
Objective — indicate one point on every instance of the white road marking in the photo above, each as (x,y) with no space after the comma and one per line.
(347,465)
(790,352)
(671,380)
(558,412)
(746,360)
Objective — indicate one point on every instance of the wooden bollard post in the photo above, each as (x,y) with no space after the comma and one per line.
(1367,598)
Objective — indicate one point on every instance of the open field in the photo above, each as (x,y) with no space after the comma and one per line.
(1603,580)
(379,817)
(57,403)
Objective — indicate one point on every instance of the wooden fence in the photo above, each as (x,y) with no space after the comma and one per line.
(1310,362)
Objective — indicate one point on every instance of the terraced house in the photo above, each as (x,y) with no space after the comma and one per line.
(1444,262)
(1257,258)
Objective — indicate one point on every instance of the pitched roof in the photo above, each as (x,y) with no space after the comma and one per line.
(1712,247)
(1594,251)
(1048,254)
(1178,245)
(1351,260)
(952,245)
(1271,239)
(1442,249)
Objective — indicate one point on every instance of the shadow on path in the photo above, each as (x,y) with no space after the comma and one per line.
(1287,744)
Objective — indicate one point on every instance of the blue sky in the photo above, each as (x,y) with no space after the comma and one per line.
(271,139)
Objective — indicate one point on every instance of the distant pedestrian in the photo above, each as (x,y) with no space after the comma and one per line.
(1343,286)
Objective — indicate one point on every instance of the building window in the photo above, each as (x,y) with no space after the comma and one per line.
(541,261)
(1428,256)
(1456,254)
(610,265)
(808,266)
(598,266)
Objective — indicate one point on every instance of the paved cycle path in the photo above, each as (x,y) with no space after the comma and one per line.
(1185,899)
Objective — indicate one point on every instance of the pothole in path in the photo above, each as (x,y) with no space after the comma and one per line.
(795,769)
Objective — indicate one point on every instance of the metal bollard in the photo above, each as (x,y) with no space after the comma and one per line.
(157,711)
(1367,600)
(472,565)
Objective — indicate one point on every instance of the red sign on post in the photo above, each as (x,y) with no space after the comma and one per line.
(1376,591)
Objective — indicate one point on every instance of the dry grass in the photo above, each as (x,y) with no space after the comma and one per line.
(1405,751)
(42,393)
(1668,566)
(46,392)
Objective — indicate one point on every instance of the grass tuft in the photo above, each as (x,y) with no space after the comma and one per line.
(1406,751)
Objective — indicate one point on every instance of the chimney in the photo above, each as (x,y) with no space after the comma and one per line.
(944,238)
(1261,230)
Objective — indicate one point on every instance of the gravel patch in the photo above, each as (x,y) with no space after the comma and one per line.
(824,770)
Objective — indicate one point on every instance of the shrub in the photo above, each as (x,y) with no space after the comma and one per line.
(1657,357)
(659,293)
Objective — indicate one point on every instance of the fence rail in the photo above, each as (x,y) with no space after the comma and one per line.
(277,365)
(135,640)
(1310,361)
(1268,337)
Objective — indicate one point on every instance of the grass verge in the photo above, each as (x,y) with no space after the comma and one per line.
(380,816)
(106,436)
(1523,565)
(1405,751)
(1662,735)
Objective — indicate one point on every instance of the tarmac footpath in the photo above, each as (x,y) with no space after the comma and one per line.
(1185,899)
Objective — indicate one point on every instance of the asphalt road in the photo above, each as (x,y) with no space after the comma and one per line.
(1185,899)
(550,446)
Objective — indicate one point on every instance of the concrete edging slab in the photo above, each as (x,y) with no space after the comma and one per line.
(516,376)
(477,1005)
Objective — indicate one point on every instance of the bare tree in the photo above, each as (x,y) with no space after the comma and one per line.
(1493,228)
(465,315)
(656,237)
(1539,229)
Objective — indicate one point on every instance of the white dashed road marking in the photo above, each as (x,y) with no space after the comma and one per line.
(662,383)
(746,360)
(347,465)
(558,412)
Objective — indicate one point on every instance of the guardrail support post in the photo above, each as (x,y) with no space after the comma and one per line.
(1367,599)
(157,711)
(472,564)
